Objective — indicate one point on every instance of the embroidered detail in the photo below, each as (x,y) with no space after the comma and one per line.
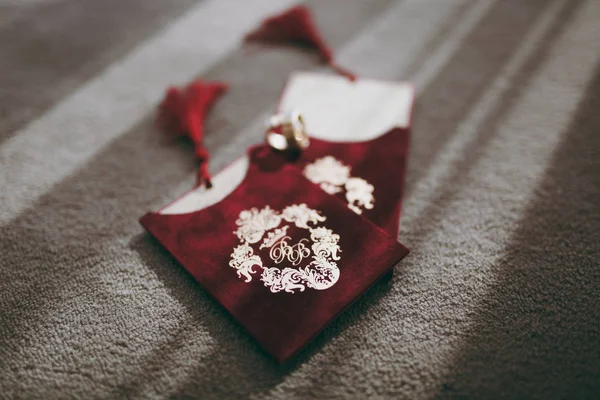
(243,259)
(253,224)
(359,193)
(328,172)
(333,177)
(320,273)
(301,215)
(273,237)
(325,243)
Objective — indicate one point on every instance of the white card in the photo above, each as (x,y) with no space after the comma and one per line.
(337,109)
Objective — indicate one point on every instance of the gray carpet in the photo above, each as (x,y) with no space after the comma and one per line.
(500,297)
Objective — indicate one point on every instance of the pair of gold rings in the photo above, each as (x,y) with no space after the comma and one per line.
(287,132)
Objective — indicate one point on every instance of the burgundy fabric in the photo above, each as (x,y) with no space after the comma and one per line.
(297,25)
(203,241)
(183,111)
(380,161)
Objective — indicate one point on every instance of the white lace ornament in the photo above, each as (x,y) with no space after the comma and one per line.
(320,273)
(333,177)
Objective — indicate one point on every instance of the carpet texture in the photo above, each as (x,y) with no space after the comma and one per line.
(500,297)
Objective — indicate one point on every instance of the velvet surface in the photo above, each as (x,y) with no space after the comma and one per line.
(380,161)
(282,322)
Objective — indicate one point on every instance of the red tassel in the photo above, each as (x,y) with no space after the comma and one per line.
(184,111)
(296,25)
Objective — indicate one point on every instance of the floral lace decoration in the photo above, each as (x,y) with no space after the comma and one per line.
(334,177)
(320,273)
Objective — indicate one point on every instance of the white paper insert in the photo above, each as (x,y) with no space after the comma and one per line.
(339,110)
(334,109)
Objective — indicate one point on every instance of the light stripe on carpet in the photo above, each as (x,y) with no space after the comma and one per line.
(405,27)
(54,145)
(472,231)
(436,177)
(441,55)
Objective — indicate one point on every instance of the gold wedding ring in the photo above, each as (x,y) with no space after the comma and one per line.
(286,132)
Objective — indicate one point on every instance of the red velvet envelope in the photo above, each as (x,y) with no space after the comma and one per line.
(280,254)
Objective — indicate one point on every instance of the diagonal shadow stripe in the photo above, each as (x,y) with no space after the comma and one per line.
(459,258)
(49,49)
(414,31)
(115,100)
(447,99)
(536,335)
(430,216)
